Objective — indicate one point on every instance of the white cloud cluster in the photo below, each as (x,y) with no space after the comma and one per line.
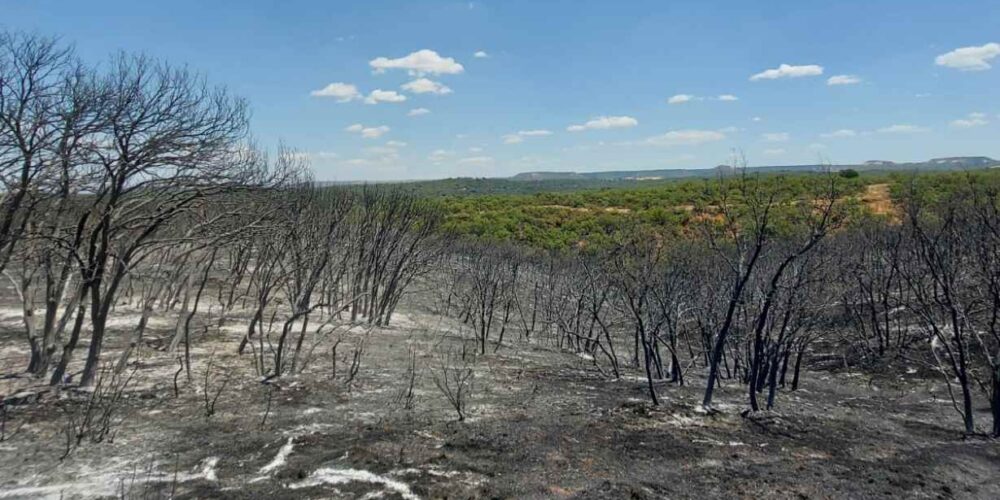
(969,58)
(368,132)
(346,92)
(970,121)
(518,137)
(421,62)
(418,112)
(788,71)
(343,92)
(378,95)
(480,54)
(776,137)
(685,138)
(843,80)
(727,98)
(605,122)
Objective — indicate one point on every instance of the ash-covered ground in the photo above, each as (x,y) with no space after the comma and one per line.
(541,423)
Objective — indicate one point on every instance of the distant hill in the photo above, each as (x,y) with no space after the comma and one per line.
(936,164)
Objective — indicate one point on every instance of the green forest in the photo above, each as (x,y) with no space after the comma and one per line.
(596,218)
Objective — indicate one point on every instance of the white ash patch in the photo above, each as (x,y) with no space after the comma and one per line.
(334,476)
(281,458)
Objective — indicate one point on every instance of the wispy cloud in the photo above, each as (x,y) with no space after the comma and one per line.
(518,137)
(837,134)
(688,137)
(683,98)
(971,120)
(843,80)
(426,86)
(902,129)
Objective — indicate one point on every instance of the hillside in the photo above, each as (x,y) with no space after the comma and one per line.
(531,183)
(936,164)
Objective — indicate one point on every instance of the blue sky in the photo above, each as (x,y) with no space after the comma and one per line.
(573,85)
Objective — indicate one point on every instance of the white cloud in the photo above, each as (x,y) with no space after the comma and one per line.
(901,129)
(378,95)
(788,71)
(475,149)
(774,152)
(970,121)
(440,155)
(605,122)
(776,137)
(476,160)
(396,144)
(843,80)
(844,132)
(685,138)
(383,153)
(341,91)
(420,62)
(756,119)
(969,58)
(367,132)
(729,130)
(374,132)
(426,86)
(521,134)
(683,98)
(480,55)
(418,112)
(680,99)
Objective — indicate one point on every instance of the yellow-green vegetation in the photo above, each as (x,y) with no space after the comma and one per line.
(594,218)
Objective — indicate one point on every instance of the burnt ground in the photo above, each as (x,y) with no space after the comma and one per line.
(543,423)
